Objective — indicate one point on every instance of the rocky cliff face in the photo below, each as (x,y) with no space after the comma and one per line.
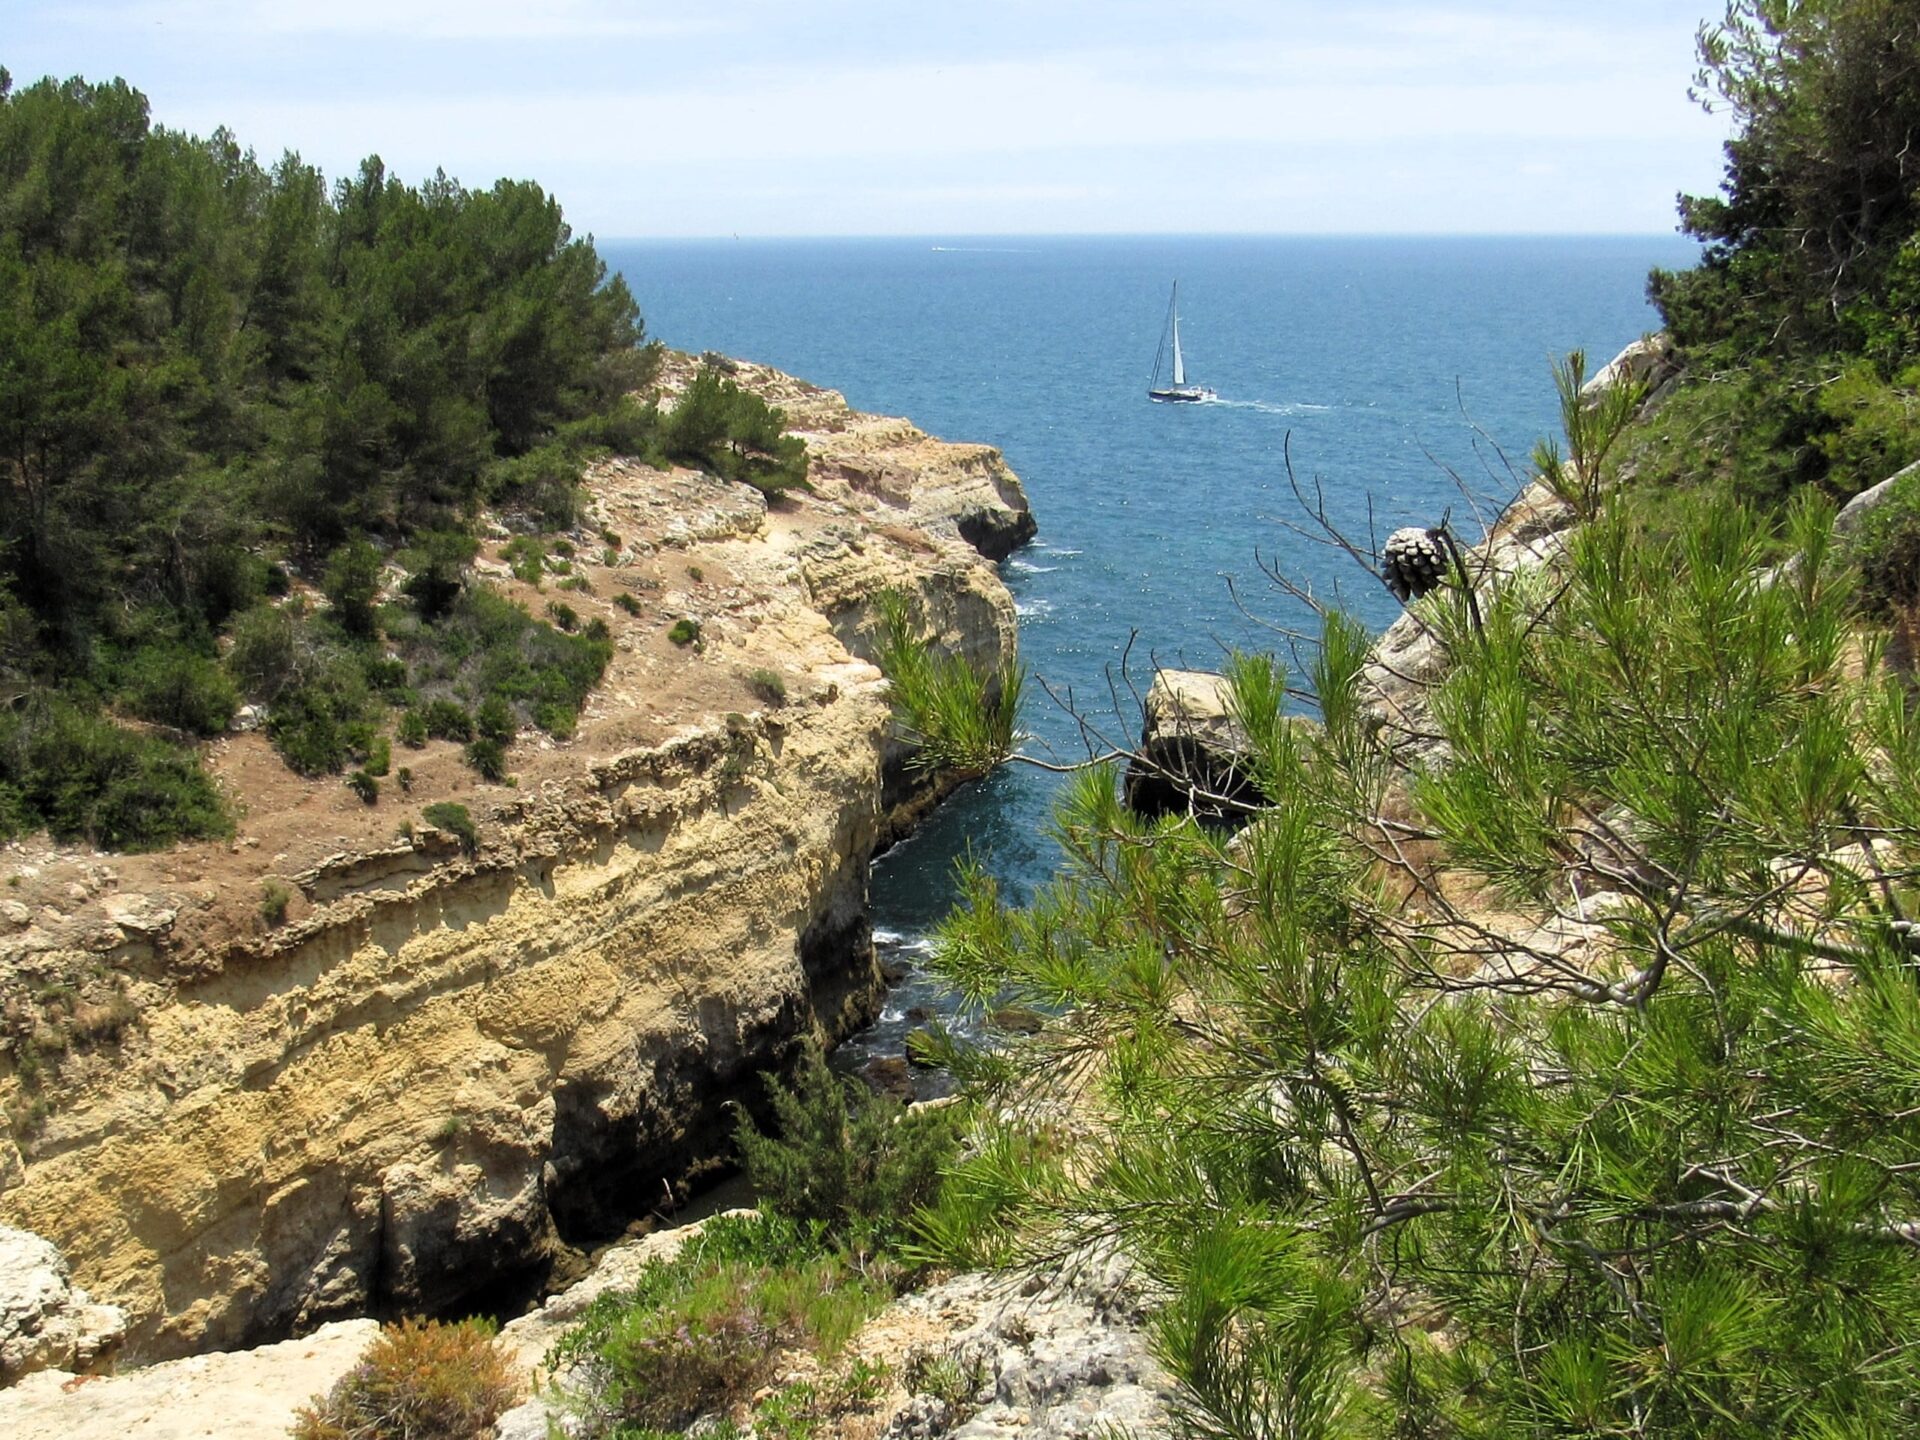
(410,1081)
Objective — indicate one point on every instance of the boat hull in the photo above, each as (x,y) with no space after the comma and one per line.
(1182,392)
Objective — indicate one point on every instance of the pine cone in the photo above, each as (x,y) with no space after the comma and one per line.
(1413,562)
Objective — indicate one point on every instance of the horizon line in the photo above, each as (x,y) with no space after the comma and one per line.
(1041,235)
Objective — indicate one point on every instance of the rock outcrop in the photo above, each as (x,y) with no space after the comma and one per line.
(46,1323)
(349,1064)
(1192,753)
(245,1395)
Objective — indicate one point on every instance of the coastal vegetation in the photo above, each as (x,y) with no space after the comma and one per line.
(1555,1076)
(249,426)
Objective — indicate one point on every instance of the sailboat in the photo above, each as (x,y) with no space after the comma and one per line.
(1179,389)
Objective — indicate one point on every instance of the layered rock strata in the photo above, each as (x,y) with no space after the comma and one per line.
(350,1064)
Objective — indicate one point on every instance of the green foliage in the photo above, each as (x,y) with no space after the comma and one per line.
(704,1330)
(627,602)
(1887,551)
(768,685)
(211,364)
(957,717)
(842,1156)
(684,631)
(718,426)
(527,557)
(275,896)
(419,1380)
(352,584)
(364,785)
(76,774)
(488,757)
(452,817)
(1593,425)
(1800,322)
(1400,1166)
(177,687)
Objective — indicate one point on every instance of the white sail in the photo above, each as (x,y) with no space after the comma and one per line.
(1179,370)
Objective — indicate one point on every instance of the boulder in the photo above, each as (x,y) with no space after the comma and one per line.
(1650,361)
(45,1322)
(1192,757)
(1853,515)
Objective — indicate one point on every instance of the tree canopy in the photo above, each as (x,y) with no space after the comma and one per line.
(219,378)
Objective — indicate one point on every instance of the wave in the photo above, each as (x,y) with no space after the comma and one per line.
(1032,609)
(1027,567)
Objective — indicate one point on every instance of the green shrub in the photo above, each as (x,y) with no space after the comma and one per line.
(488,757)
(404,778)
(704,1330)
(494,720)
(1887,550)
(264,654)
(438,563)
(563,615)
(419,1380)
(412,728)
(769,686)
(452,817)
(527,558)
(843,1156)
(447,720)
(958,717)
(351,583)
(275,896)
(684,631)
(696,574)
(324,721)
(626,601)
(82,777)
(364,785)
(176,687)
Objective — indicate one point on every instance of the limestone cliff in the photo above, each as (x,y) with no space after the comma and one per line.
(344,1065)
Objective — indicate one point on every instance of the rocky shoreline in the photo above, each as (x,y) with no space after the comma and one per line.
(445,1065)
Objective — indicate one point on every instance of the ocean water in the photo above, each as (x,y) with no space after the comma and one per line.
(1404,378)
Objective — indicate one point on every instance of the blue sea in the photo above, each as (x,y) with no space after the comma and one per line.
(1401,376)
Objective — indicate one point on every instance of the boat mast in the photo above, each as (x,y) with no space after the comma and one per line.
(1179,370)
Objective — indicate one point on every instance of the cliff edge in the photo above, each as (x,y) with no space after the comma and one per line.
(353,1063)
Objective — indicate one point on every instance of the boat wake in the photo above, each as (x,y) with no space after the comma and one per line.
(1269,407)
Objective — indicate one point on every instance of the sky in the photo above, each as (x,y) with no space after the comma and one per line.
(968,117)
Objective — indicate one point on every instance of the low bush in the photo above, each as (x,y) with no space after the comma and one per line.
(420,1380)
(448,720)
(488,757)
(684,631)
(843,1157)
(704,1330)
(80,776)
(626,601)
(176,687)
(452,817)
(275,897)
(364,785)
(412,728)
(769,686)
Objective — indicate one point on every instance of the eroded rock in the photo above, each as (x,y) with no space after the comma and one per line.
(46,1322)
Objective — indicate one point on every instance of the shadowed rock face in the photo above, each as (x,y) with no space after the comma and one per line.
(1192,757)
(439,1068)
